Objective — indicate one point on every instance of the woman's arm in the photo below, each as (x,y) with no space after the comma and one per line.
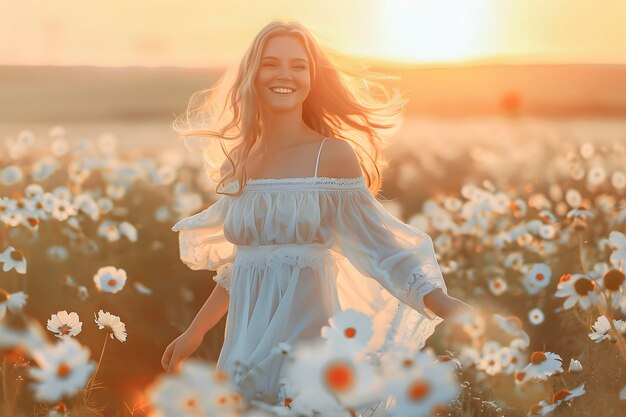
(446,307)
(211,312)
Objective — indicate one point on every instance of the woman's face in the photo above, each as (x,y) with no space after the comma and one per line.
(284,65)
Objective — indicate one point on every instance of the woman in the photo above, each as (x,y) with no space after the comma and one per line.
(303,236)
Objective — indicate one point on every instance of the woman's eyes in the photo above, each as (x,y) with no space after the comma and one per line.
(274,65)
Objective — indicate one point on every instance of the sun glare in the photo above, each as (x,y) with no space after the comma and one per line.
(435,30)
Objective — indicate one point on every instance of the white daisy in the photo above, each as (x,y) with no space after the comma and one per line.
(128,230)
(63,370)
(543,365)
(350,328)
(537,277)
(82,292)
(497,286)
(65,325)
(109,230)
(617,241)
(324,375)
(199,389)
(12,258)
(110,279)
(574,366)
(561,396)
(421,388)
(113,323)
(536,316)
(578,289)
(602,329)
(13,301)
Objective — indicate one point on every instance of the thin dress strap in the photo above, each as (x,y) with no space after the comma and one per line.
(318,156)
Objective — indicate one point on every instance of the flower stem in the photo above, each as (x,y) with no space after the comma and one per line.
(93,377)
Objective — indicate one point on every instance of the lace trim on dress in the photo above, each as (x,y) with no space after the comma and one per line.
(419,284)
(298,182)
(285,256)
(224,275)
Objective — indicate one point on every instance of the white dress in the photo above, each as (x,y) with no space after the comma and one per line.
(300,249)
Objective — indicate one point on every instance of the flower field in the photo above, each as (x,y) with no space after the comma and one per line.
(528,220)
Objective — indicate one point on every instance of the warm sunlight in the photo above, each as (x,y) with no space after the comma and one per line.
(434,30)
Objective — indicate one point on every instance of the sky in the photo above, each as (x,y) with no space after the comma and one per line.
(195,33)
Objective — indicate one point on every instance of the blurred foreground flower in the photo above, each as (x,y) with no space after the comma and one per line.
(63,370)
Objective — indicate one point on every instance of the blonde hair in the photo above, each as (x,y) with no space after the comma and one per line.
(341,104)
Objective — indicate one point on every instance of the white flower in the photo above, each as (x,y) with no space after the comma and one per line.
(578,289)
(109,230)
(537,277)
(113,323)
(423,386)
(602,329)
(349,328)
(199,389)
(323,376)
(617,241)
(82,292)
(497,286)
(65,325)
(535,316)
(12,258)
(110,279)
(574,366)
(11,175)
(560,396)
(543,365)
(128,230)
(13,301)
(63,370)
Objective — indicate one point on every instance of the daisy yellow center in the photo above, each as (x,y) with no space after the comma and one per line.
(190,403)
(65,329)
(350,332)
(39,205)
(613,280)
(288,402)
(60,407)
(222,400)
(16,255)
(539,277)
(560,395)
(4,295)
(497,284)
(20,204)
(583,286)
(418,390)
(32,221)
(407,363)
(339,376)
(63,370)
(111,282)
(520,376)
(61,208)
(220,376)
(565,277)
(111,228)
(537,358)
(514,359)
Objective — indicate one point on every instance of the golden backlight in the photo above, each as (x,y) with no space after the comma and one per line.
(434,30)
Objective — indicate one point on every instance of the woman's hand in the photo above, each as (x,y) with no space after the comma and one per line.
(179,350)
(446,307)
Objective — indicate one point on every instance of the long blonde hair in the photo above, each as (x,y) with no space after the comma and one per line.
(341,104)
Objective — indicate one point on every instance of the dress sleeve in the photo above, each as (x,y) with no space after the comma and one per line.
(202,242)
(398,256)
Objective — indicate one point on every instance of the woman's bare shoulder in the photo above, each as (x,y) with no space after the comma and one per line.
(339,160)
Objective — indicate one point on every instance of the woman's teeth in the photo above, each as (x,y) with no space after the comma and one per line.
(282,90)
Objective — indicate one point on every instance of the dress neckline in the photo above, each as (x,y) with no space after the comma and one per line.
(300,182)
